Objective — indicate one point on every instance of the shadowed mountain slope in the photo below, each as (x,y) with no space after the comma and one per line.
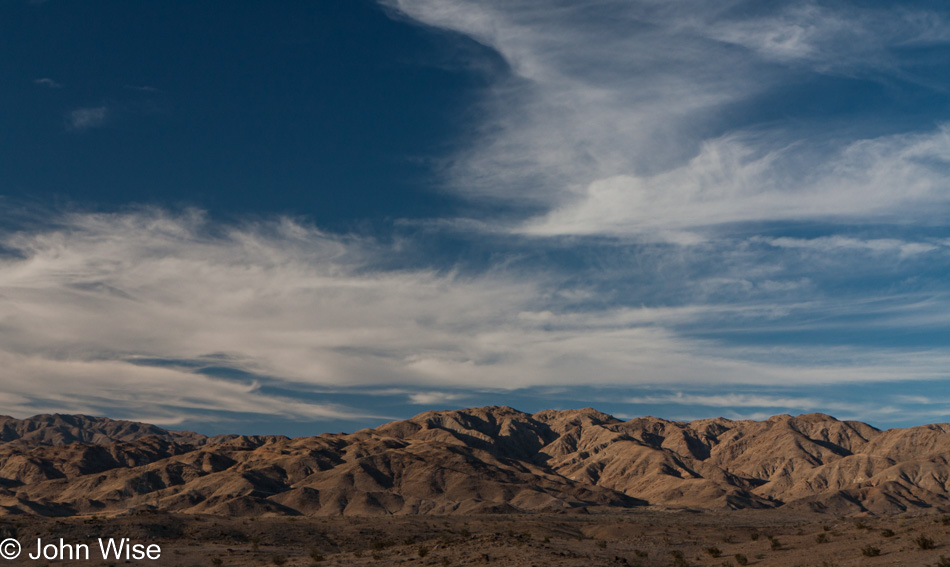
(492,459)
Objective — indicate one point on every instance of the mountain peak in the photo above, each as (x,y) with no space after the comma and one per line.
(487,459)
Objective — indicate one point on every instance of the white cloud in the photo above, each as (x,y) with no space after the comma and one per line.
(832,39)
(47,82)
(738,401)
(729,182)
(86,118)
(837,243)
(85,304)
(613,122)
(435,398)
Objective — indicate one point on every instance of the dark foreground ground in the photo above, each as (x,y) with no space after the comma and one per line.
(635,537)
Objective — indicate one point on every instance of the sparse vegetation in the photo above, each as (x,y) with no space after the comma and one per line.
(630,541)
(924,542)
(678,559)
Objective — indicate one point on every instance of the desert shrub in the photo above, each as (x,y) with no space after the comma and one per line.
(381,544)
(278,560)
(641,554)
(945,520)
(678,559)
(943,561)
(924,542)
(602,544)
(217,561)
(445,561)
(714,552)
(827,528)
(887,533)
(316,556)
(774,543)
(465,533)
(861,525)
(423,551)
(729,539)
(821,538)
(754,536)
(741,559)
(870,551)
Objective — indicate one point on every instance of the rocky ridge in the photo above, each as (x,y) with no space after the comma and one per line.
(481,460)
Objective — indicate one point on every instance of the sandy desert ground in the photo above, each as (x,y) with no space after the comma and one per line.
(633,537)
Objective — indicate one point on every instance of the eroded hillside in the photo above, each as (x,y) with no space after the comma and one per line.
(492,459)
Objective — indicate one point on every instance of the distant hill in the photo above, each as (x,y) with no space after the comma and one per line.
(482,460)
(57,429)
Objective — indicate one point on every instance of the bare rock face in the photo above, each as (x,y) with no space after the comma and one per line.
(481,460)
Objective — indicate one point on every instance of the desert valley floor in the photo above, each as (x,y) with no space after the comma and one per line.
(600,538)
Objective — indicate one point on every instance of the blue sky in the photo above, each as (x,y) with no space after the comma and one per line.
(319,216)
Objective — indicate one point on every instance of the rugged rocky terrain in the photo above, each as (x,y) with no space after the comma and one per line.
(483,460)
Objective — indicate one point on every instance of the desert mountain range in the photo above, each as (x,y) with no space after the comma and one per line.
(481,460)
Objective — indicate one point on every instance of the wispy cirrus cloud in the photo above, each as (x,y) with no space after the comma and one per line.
(436,398)
(832,39)
(102,305)
(838,243)
(47,82)
(621,119)
(87,118)
(729,182)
